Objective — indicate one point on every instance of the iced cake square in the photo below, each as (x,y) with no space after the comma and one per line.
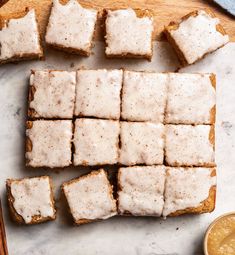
(19,38)
(129,33)
(141,143)
(189,190)
(52,94)
(144,96)
(191,99)
(96,142)
(90,197)
(196,35)
(48,143)
(98,93)
(31,200)
(187,145)
(71,27)
(141,190)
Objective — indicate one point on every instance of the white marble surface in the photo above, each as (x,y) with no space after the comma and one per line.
(119,235)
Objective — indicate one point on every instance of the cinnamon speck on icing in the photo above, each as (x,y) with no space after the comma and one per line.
(127,33)
(187,145)
(190,99)
(141,143)
(71,26)
(51,143)
(96,142)
(198,35)
(32,197)
(186,188)
(20,37)
(141,190)
(90,197)
(98,93)
(144,96)
(54,94)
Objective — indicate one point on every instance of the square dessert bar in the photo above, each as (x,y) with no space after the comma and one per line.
(141,190)
(52,94)
(196,35)
(48,143)
(144,96)
(96,142)
(20,39)
(90,197)
(191,99)
(98,93)
(189,190)
(141,143)
(129,33)
(187,145)
(31,200)
(71,27)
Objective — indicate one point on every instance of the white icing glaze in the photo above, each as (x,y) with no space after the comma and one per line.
(96,142)
(54,95)
(141,190)
(144,96)
(98,93)
(89,197)
(32,197)
(188,145)
(141,143)
(51,143)
(126,33)
(186,187)
(19,37)
(190,99)
(197,36)
(71,26)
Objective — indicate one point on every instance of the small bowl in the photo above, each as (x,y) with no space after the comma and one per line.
(211,226)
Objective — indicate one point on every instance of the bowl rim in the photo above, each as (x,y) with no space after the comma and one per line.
(211,226)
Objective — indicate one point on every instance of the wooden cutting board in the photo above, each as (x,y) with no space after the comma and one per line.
(164,11)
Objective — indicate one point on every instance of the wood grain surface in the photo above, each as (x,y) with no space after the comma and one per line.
(164,11)
(3,242)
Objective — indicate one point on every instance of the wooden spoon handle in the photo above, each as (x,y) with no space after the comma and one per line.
(3,241)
